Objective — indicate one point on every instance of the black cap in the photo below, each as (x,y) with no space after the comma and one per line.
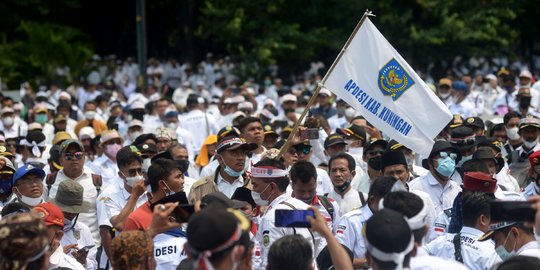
(463,137)
(393,145)
(227,132)
(388,231)
(333,139)
(243,194)
(475,122)
(182,165)
(441,146)
(147,148)
(486,153)
(393,158)
(212,229)
(220,199)
(374,142)
(353,131)
(233,143)
(269,130)
(456,121)
(179,197)
(491,142)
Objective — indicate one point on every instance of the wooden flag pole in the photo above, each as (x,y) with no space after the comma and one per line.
(320,85)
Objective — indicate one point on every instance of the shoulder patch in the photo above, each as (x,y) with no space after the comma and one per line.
(266,238)
(104,199)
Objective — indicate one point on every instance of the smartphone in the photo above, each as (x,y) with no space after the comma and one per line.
(236,90)
(309,134)
(512,211)
(87,248)
(183,212)
(292,218)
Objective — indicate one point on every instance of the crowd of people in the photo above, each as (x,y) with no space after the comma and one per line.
(191,171)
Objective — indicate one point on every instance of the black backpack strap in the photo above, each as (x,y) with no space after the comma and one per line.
(362,199)
(327,205)
(49,180)
(457,247)
(97,180)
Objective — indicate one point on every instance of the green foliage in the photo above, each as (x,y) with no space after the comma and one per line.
(293,33)
(41,49)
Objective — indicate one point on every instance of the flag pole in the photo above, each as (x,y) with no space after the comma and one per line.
(289,140)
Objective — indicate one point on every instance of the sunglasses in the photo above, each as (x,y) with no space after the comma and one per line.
(300,149)
(444,155)
(464,142)
(75,155)
(375,152)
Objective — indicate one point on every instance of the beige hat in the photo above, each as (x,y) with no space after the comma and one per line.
(108,135)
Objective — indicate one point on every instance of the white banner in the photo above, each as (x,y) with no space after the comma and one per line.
(373,78)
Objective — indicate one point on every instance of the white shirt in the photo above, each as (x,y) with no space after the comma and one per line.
(107,168)
(465,108)
(80,234)
(348,230)
(209,169)
(60,259)
(442,197)
(531,249)
(424,261)
(169,251)
(324,184)
(268,233)
(531,190)
(349,201)
(89,196)
(227,188)
(201,125)
(19,128)
(476,255)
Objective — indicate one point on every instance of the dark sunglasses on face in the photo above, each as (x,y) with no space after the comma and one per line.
(300,149)
(375,152)
(75,155)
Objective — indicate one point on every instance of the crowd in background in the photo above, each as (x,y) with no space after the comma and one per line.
(110,169)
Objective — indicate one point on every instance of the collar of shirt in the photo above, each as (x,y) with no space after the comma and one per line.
(531,245)
(433,182)
(220,179)
(281,198)
(62,176)
(366,212)
(472,231)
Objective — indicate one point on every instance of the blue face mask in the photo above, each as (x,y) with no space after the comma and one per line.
(232,173)
(463,159)
(446,166)
(41,118)
(503,253)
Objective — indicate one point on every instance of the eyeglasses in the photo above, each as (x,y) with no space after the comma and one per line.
(452,155)
(75,155)
(300,149)
(464,142)
(30,182)
(133,172)
(375,152)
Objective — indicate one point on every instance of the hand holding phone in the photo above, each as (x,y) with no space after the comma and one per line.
(309,134)
(293,218)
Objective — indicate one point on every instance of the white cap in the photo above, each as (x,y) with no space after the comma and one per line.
(200,83)
(34,126)
(238,114)
(7,110)
(245,105)
(137,105)
(269,102)
(87,132)
(491,77)
(65,94)
(250,90)
(18,106)
(525,73)
(289,97)
(325,91)
(238,99)
(227,101)
(135,123)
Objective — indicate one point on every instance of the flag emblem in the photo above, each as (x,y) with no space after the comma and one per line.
(394,80)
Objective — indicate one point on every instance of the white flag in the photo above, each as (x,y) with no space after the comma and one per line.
(373,78)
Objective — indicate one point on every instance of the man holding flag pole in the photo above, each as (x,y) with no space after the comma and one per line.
(371,76)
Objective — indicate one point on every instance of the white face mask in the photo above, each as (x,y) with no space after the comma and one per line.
(89,115)
(445,95)
(8,121)
(172,125)
(530,145)
(28,200)
(350,112)
(133,135)
(133,180)
(257,197)
(512,133)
